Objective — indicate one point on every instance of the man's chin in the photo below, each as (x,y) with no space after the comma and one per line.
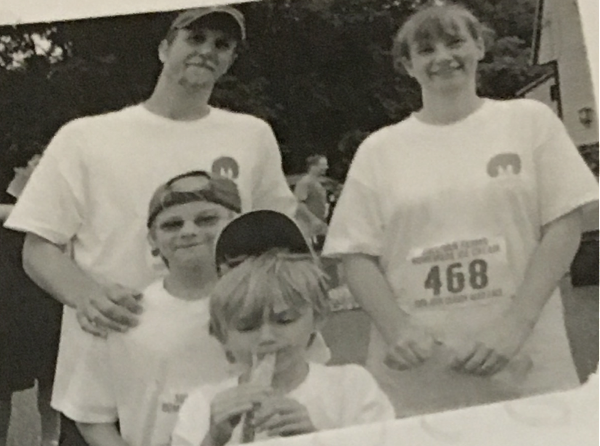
(198,82)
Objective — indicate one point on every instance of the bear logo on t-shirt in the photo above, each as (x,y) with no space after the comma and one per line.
(226,167)
(504,164)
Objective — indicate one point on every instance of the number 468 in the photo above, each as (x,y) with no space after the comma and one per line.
(455,278)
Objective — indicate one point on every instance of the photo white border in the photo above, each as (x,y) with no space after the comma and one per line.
(574,414)
(17,12)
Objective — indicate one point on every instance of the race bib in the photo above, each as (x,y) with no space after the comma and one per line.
(458,274)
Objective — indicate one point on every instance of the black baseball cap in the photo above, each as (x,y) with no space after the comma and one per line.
(257,232)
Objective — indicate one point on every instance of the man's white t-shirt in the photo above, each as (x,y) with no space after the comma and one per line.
(143,376)
(334,396)
(454,214)
(95,180)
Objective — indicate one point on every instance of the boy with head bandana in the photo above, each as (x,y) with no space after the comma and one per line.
(143,376)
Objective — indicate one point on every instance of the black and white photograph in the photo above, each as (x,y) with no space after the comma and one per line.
(299,222)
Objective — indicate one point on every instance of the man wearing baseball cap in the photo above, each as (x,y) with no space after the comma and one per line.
(91,187)
(224,13)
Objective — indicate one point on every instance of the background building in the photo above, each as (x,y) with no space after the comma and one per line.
(558,43)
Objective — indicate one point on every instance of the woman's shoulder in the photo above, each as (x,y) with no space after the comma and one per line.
(527,117)
(389,132)
(522,107)
(386,140)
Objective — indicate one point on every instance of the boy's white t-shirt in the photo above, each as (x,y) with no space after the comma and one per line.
(454,214)
(143,376)
(334,396)
(94,182)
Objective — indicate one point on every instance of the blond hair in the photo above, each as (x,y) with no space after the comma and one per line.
(245,291)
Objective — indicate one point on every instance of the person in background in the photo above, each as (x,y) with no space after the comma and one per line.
(455,227)
(310,191)
(98,173)
(29,325)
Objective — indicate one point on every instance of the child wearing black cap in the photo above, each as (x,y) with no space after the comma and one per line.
(266,311)
(142,376)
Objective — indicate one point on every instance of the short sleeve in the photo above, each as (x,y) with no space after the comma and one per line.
(90,396)
(52,202)
(564,181)
(270,189)
(193,421)
(367,403)
(301,190)
(318,351)
(357,225)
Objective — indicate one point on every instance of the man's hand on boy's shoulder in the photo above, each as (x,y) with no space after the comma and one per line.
(109,308)
(281,416)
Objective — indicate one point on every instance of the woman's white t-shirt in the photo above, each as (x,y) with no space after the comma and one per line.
(454,214)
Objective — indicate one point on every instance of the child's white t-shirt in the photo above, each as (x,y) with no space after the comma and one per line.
(335,397)
(142,377)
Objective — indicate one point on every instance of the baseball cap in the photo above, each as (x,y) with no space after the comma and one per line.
(257,232)
(196,185)
(188,17)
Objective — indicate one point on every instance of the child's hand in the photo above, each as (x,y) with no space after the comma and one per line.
(281,416)
(227,408)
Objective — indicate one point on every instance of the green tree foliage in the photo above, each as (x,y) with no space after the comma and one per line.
(320,71)
(506,67)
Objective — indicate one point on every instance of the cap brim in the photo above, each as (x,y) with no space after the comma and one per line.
(257,232)
(188,17)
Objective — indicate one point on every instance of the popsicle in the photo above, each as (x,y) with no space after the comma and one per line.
(261,374)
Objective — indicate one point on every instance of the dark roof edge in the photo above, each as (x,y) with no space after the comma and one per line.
(535,83)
